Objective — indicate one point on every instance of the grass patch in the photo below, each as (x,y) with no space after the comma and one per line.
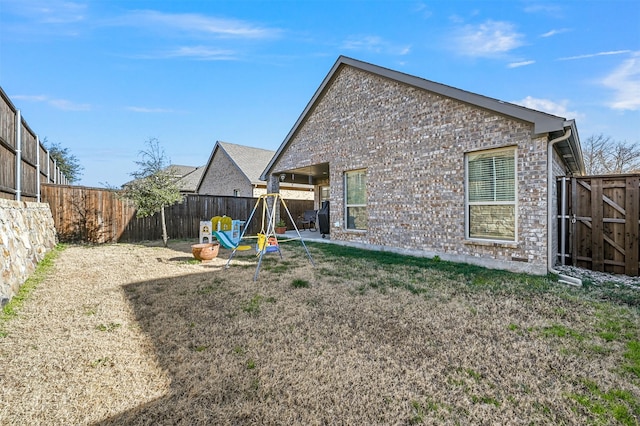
(381,269)
(613,325)
(102,362)
(612,404)
(355,264)
(276,266)
(112,326)
(253,305)
(300,283)
(559,330)
(44,267)
(485,400)
(632,355)
(208,289)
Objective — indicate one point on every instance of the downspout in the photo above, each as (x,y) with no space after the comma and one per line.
(550,181)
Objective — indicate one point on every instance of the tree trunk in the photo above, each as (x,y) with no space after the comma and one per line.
(165,238)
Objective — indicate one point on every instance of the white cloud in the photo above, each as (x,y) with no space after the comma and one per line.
(202,53)
(48,11)
(593,55)
(374,44)
(625,83)
(62,104)
(520,64)
(423,10)
(554,32)
(489,39)
(30,98)
(197,23)
(549,9)
(550,107)
(148,110)
(66,105)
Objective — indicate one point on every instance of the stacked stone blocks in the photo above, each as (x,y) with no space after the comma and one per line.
(27,233)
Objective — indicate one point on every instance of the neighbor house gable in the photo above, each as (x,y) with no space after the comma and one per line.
(223,176)
(234,170)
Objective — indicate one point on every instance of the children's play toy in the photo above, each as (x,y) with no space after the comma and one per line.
(267,239)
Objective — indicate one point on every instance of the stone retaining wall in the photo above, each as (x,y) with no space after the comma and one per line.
(27,233)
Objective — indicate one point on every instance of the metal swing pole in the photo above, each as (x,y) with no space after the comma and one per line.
(270,229)
(243,231)
(297,231)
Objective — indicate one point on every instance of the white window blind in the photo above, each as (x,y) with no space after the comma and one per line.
(492,176)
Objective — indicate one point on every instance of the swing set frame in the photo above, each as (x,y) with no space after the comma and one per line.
(268,232)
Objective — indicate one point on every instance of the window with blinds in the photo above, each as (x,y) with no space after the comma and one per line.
(491,194)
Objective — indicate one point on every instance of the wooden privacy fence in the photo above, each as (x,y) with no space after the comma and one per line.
(599,223)
(24,162)
(99,215)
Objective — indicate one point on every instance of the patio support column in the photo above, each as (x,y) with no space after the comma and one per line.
(273,187)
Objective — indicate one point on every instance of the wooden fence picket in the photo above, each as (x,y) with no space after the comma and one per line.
(99,216)
(606,225)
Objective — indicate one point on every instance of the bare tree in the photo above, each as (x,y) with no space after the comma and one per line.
(625,158)
(603,155)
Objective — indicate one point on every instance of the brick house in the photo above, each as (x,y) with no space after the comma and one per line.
(234,170)
(417,167)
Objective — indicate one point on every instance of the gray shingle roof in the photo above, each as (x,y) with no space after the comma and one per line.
(542,122)
(251,161)
(189,181)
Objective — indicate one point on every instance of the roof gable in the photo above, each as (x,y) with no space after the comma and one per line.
(543,123)
(249,161)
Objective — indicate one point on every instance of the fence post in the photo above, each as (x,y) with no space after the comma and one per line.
(632,227)
(18,155)
(37,168)
(48,167)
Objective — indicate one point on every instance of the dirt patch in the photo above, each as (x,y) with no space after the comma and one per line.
(138,334)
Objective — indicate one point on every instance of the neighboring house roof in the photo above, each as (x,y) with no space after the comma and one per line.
(189,176)
(250,161)
(542,122)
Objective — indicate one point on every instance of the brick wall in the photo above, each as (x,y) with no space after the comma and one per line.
(223,176)
(412,143)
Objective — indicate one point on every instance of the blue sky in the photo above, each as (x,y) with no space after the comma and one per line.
(101,77)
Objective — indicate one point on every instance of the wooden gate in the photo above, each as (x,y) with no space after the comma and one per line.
(599,223)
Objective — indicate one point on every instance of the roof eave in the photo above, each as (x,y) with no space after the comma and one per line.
(543,123)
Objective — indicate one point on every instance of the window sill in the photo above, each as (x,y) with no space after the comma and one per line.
(487,243)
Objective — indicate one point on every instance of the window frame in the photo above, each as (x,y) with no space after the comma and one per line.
(350,205)
(468,204)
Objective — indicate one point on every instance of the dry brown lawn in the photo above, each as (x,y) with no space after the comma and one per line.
(139,334)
